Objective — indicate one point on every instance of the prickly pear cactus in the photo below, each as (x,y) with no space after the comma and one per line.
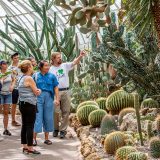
(122,153)
(95,117)
(102,102)
(87,103)
(149,103)
(155,147)
(123,112)
(137,156)
(113,141)
(108,124)
(83,113)
(118,100)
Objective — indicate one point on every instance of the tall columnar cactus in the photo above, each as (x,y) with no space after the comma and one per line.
(123,112)
(108,124)
(113,141)
(83,113)
(87,103)
(149,129)
(155,147)
(158,124)
(102,102)
(118,100)
(137,156)
(95,117)
(137,107)
(149,103)
(123,152)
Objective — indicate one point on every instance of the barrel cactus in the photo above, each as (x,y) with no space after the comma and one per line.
(158,124)
(122,153)
(113,141)
(137,156)
(87,103)
(155,147)
(101,102)
(118,100)
(123,112)
(83,113)
(149,103)
(108,124)
(95,117)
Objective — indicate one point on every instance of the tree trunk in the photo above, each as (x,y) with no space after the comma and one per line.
(156,13)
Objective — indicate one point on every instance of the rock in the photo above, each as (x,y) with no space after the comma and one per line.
(93,156)
(129,122)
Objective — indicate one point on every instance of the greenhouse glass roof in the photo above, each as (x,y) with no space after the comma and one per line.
(23,14)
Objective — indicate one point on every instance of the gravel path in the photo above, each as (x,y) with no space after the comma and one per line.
(66,149)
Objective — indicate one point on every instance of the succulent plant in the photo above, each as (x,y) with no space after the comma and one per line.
(123,152)
(95,117)
(102,102)
(137,107)
(155,147)
(118,100)
(149,129)
(158,123)
(87,103)
(108,124)
(149,103)
(123,112)
(137,156)
(113,141)
(83,113)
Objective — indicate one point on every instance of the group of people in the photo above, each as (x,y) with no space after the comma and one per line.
(43,97)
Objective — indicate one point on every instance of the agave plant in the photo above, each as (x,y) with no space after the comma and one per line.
(32,45)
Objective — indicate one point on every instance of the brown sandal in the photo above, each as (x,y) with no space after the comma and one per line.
(48,142)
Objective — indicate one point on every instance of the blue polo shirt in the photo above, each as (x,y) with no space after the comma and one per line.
(46,82)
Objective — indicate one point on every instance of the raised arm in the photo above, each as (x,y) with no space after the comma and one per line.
(77,60)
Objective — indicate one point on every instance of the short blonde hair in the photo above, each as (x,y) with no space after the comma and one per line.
(25,65)
(53,56)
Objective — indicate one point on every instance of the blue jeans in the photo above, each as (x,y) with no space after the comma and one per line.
(6,99)
(44,117)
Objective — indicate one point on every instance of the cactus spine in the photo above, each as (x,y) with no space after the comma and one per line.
(118,100)
(113,141)
(83,113)
(102,102)
(87,103)
(149,103)
(122,153)
(95,117)
(155,147)
(137,156)
(137,106)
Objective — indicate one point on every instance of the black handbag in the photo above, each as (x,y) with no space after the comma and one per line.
(0,86)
